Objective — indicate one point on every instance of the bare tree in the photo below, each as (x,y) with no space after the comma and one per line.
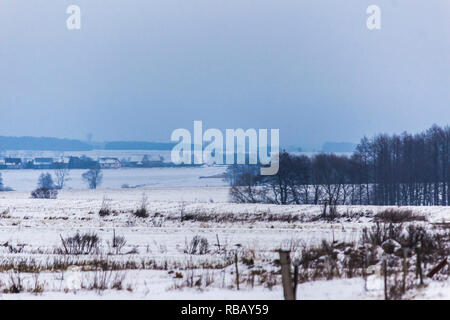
(46,188)
(61,174)
(46,181)
(93,177)
(331,172)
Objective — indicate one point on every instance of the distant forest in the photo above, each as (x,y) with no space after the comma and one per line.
(55,144)
(406,169)
(43,144)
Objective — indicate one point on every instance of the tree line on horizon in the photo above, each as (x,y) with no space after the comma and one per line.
(406,169)
(61,144)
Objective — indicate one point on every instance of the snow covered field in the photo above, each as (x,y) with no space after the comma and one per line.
(26,180)
(159,261)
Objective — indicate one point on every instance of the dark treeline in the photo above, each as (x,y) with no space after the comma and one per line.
(43,144)
(56,144)
(385,170)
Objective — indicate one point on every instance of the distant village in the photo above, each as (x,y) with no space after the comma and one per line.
(81,162)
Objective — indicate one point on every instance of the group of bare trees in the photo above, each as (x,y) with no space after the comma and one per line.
(385,170)
(48,189)
(93,177)
(406,169)
(300,180)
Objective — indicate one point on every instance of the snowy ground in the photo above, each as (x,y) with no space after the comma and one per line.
(155,262)
(26,179)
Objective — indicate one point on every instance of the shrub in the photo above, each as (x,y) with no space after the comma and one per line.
(398,216)
(142,212)
(43,193)
(105,210)
(433,246)
(46,188)
(15,283)
(86,243)
(37,287)
(118,242)
(198,245)
(379,233)
(17,249)
(104,280)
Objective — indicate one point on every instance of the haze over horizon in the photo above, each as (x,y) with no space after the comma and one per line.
(138,70)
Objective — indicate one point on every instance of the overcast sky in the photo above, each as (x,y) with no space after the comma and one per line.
(137,69)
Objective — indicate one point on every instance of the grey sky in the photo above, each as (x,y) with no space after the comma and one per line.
(139,69)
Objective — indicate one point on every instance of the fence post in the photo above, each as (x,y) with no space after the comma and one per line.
(296,265)
(236,260)
(218,242)
(64,244)
(386,297)
(405,269)
(286,278)
(419,271)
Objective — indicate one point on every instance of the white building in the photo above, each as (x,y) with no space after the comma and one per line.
(109,163)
